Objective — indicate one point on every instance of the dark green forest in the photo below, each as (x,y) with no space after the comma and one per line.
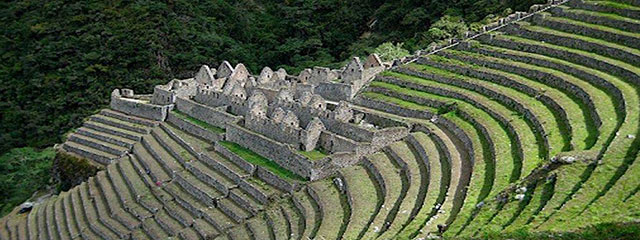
(60,59)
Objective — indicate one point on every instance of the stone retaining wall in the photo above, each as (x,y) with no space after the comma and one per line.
(611,89)
(193,128)
(548,79)
(140,109)
(538,129)
(281,154)
(210,115)
(595,19)
(630,41)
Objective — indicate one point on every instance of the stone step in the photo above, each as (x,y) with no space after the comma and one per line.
(211,177)
(61,228)
(362,192)
(205,229)
(11,231)
(185,199)
(188,234)
(95,155)
(22,229)
(153,229)
(311,212)
(231,209)
(217,218)
(150,165)
(114,122)
(32,224)
(328,198)
(259,228)
(91,215)
(42,222)
(98,144)
(166,161)
(428,153)
(128,118)
(278,223)
(240,232)
(106,137)
(124,194)
(255,187)
(202,191)
(598,46)
(101,127)
(117,220)
(294,219)
(140,234)
(203,146)
(4,232)
(500,102)
(170,225)
(179,213)
(69,219)
(103,185)
(416,174)
(84,226)
(139,188)
(175,144)
(390,182)
(96,217)
(245,200)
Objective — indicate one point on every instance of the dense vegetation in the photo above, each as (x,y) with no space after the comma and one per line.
(60,59)
(22,172)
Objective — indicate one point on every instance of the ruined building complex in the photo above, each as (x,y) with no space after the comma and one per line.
(530,123)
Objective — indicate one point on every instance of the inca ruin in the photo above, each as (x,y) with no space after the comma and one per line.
(529,123)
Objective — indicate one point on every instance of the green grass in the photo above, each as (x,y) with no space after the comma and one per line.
(616,159)
(22,172)
(256,159)
(313,155)
(604,231)
(198,122)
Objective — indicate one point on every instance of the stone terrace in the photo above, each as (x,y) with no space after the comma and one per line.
(529,124)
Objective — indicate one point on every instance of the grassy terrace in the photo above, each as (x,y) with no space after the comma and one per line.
(364,196)
(198,122)
(604,104)
(482,177)
(501,137)
(616,159)
(557,135)
(414,195)
(580,37)
(437,187)
(593,26)
(332,211)
(256,159)
(313,155)
(394,190)
(558,62)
